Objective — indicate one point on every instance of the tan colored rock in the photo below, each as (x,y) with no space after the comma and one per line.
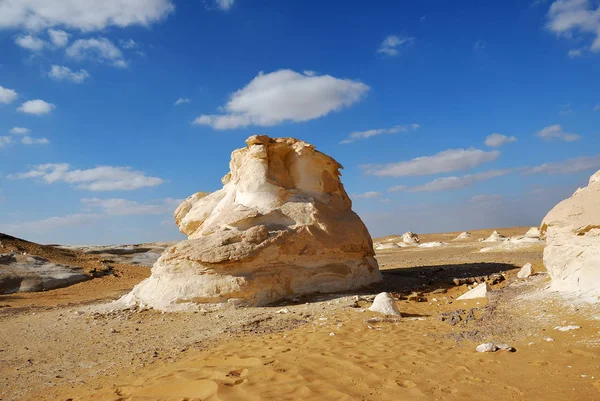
(282,225)
(463,235)
(526,271)
(572,252)
(410,238)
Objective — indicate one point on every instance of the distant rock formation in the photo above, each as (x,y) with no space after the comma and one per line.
(463,235)
(410,238)
(282,225)
(495,237)
(434,244)
(572,252)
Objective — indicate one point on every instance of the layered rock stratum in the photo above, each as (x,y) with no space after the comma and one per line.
(281,226)
(572,252)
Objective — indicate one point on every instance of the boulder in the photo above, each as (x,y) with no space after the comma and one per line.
(572,252)
(463,235)
(281,226)
(495,237)
(526,271)
(478,292)
(410,238)
(386,304)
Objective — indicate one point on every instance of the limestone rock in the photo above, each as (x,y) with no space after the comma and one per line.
(495,237)
(463,235)
(378,246)
(435,244)
(526,271)
(281,226)
(533,232)
(384,303)
(478,292)
(410,238)
(487,347)
(572,252)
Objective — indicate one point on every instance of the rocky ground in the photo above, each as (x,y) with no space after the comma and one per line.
(54,346)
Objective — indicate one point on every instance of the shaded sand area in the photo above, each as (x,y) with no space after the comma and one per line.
(313,348)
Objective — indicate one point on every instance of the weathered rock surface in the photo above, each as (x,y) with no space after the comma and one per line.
(463,235)
(379,246)
(410,238)
(478,292)
(526,271)
(20,273)
(386,304)
(282,225)
(434,244)
(572,252)
(495,237)
(138,254)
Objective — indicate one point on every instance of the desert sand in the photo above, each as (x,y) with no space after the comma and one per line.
(320,347)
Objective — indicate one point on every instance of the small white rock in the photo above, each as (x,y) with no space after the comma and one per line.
(486,347)
(478,292)
(384,303)
(283,311)
(549,339)
(526,271)
(332,334)
(567,328)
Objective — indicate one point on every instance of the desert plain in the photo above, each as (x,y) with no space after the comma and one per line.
(54,345)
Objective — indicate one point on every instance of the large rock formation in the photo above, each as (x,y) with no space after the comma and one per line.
(572,252)
(282,225)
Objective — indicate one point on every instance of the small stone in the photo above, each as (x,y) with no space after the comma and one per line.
(549,339)
(505,347)
(332,334)
(478,292)
(525,272)
(487,347)
(113,331)
(384,303)
(283,311)
(567,328)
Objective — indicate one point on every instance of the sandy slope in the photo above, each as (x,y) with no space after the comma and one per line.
(259,354)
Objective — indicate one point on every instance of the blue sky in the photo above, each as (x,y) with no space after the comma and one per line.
(446,116)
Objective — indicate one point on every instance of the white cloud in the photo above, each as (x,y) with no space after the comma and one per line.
(128,44)
(225,4)
(37,107)
(495,140)
(5,140)
(182,100)
(397,188)
(20,131)
(58,38)
(7,95)
(97,49)
(479,45)
(29,42)
(443,162)
(51,223)
(124,207)
(555,132)
(27,140)
(285,95)
(61,73)
(390,44)
(367,195)
(449,183)
(86,15)
(574,53)
(570,166)
(102,178)
(355,136)
(573,18)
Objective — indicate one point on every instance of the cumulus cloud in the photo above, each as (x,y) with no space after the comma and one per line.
(62,73)
(577,19)
(102,178)
(570,166)
(355,136)
(496,140)
(97,49)
(443,162)
(7,95)
(450,183)
(20,131)
(5,140)
(37,107)
(29,42)
(85,15)
(367,195)
(58,38)
(225,4)
(285,95)
(392,43)
(27,140)
(182,100)
(124,207)
(553,132)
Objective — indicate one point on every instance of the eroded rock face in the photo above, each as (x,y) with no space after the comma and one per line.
(572,252)
(282,225)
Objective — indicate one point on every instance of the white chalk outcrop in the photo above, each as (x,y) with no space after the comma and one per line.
(495,237)
(478,292)
(572,252)
(410,238)
(526,271)
(434,244)
(386,304)
(282,225)
(463,235)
